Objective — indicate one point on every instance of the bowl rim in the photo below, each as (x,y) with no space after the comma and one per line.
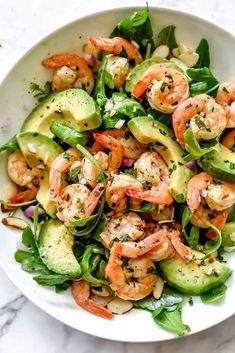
(31,48)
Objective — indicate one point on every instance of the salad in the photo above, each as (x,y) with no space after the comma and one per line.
(123,175)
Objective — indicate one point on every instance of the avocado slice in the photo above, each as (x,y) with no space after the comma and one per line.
(220,165)
(38,149)
(194,277)
(73,106)
(137,72)
(147,130)
(227,231)
(55,246)
(43,195)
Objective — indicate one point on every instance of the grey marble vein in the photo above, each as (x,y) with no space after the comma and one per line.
(9,312)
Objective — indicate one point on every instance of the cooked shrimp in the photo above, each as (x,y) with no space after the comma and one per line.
(116,154)
(203,216)
(171,242)
(195,188)
(116,196)
(228,140)
(218,196)
(59,166)
(89,170)
(81,294)
(118,68)
(152,172)
(165,88)
(25,195)
(77,201)
(132,281)
(131,147)
(226,97)
(117,45)
(206,118)
(133,249)
(18,170)
(64,78)
(122,227)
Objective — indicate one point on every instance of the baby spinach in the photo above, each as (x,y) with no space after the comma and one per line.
(68,134)
(10,145)
(31,262)
(171,320)
(137,27)
(166,311)
(167,37)
(145,207)
(99,93)
(212,245)
(203,81)
(193,237)
(204,54)
(196,150)
(119,107)
(214,294)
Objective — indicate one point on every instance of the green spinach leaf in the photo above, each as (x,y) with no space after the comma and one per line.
(167,37)
(171,320)
(203,81)
(137,27)
(204,54)
(68,134)
(214,294)
(10,145)
(196,150)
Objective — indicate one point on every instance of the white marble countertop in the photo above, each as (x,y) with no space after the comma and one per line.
(24,328)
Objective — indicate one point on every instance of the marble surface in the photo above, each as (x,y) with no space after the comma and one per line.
(24,328)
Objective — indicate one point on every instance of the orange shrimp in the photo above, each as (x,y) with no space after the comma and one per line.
(116,154)
(206,118)
(79,75)
(81,294)
(152,172)
(132,281)
(166,87)
(203,216)
(228,140)
(219,196)
(226,97)
(59,166)
(117,45)
(77,200)
(25,195)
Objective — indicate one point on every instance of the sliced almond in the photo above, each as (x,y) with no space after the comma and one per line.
(190,59)
(101,291)
(176,52)
(157,293)
(15,222)
(162,50)
(119,306)
(101,300)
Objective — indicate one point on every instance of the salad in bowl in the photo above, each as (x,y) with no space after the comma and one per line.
(123,175)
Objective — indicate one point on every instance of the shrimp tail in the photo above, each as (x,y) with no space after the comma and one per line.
(160,197)
(179,246)
(93,199)
(24,196)
(81,294)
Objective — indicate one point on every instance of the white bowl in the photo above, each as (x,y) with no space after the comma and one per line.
(16,103)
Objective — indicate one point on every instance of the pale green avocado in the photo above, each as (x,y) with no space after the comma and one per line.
(137,72)
(220,164)
(147,130)
(55,247)
(227,232)
(73,106)
(38,150)
(43,195)
(196,276)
